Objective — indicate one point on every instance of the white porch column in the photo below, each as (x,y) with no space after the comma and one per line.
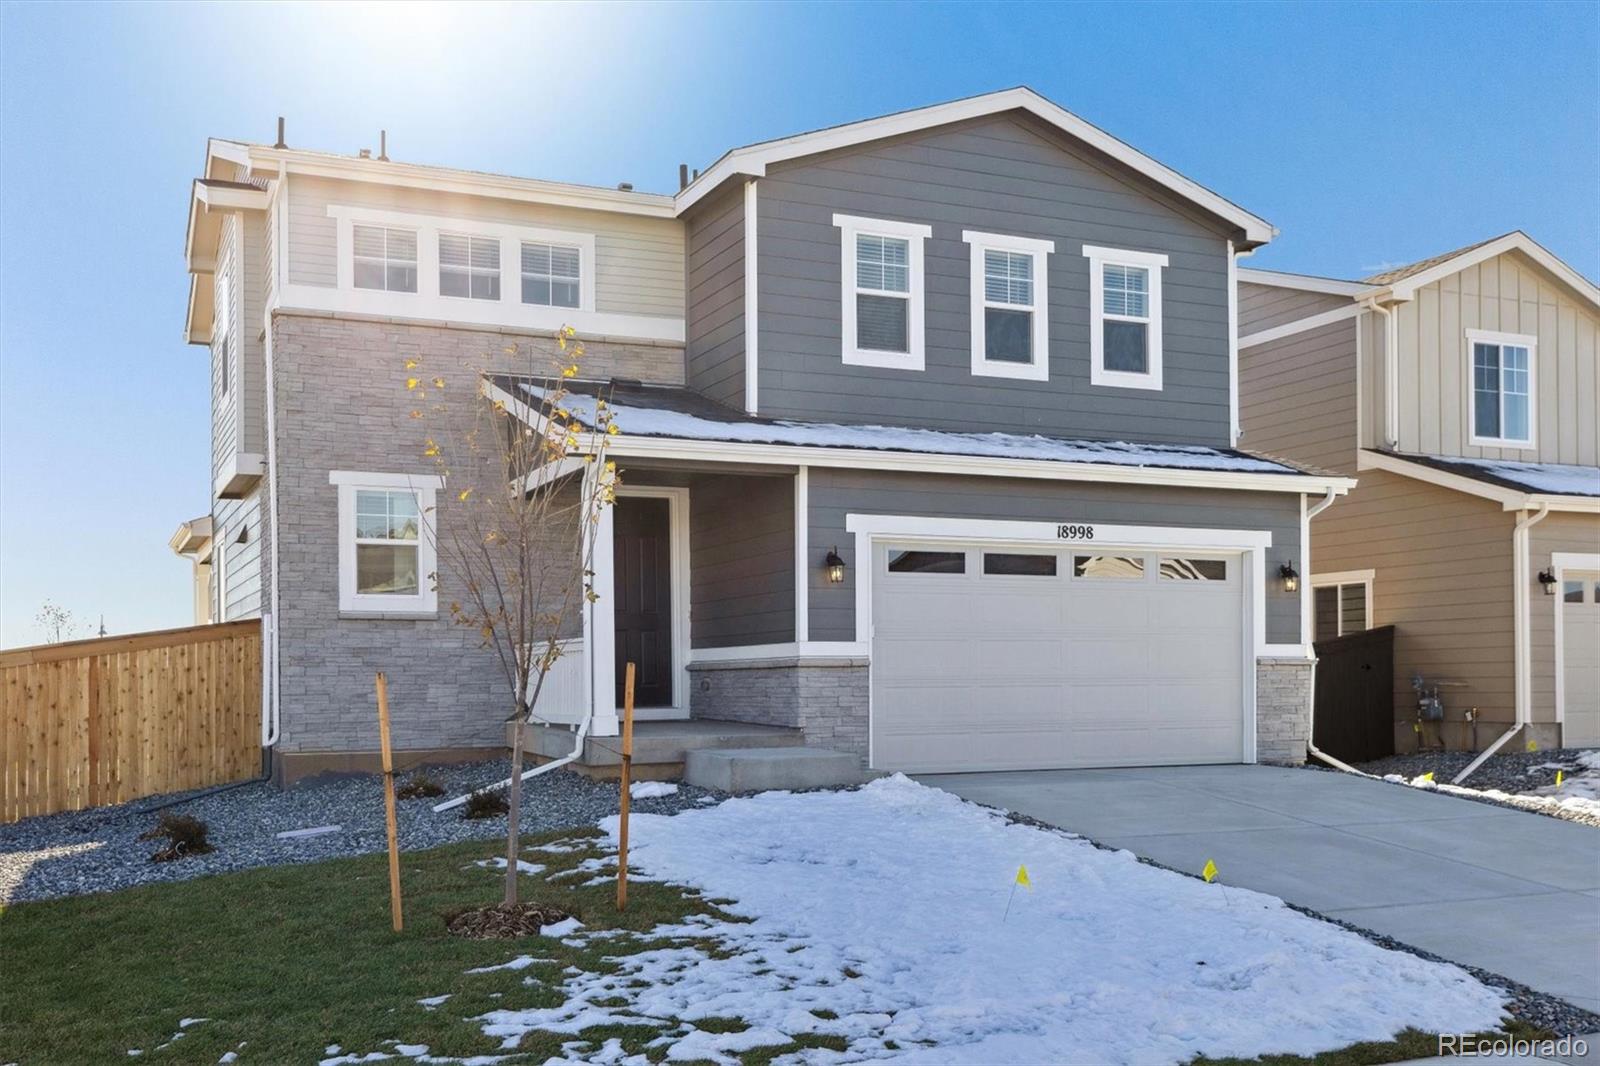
(600,629)
(802,555)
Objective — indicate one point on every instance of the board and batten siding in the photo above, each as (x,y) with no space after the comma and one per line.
(1297,398)
(1442,562)
(714,324)
(1007,175)
(741,560)
(836,493)
(1506,294)
(1262,307)
(639,261)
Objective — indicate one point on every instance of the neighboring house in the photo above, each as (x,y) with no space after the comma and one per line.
(193,542)
(927,444)
(1475,529)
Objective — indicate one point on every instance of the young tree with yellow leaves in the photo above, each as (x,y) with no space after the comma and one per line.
(523,493)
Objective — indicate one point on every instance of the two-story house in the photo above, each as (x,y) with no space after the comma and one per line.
(927,444)
(1462,392)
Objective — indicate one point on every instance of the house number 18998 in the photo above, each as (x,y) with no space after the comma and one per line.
(1075,532)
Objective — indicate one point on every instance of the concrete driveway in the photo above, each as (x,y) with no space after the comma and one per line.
(1511,892)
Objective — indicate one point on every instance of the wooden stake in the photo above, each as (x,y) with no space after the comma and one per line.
(627,773)
(388,802)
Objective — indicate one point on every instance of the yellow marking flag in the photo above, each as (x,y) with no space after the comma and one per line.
(1559,775)
(1428,776)
(1209,871)
(1022,877)
(1533,745)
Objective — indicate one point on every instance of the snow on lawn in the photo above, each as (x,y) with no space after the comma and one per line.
(644,790)
(884,906)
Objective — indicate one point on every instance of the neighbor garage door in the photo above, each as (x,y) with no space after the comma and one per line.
(1019,658)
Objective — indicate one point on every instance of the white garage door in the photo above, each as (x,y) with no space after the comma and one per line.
(1580,658)
(1022,658)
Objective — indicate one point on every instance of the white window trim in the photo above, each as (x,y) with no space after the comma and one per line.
(521,275)
(1513,340)
(1039,251)
(428,303)
(351,603)
(470,235)
(1099,258)
(1339,578)
(224,319)
(851,227)
(384,260)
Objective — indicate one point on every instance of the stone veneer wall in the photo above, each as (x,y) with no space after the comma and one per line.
(1283,710)
(825,699)
(342,405)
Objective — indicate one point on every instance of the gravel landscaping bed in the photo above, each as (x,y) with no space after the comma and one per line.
(1520,780)
(98,850)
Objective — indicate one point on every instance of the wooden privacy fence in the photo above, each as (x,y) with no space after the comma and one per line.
(92,722)
(1355,695)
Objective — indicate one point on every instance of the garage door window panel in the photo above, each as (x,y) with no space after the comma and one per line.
(1183,568)
(1109,567)
(1017,564)
(922,561)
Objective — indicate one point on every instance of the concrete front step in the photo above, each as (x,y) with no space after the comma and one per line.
(659,746)
(761,769)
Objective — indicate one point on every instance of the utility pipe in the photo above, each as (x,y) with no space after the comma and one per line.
(577,749)
(1311,698)
(1391,384)
(1521,641)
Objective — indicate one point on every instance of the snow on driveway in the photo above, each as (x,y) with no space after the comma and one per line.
(884,906)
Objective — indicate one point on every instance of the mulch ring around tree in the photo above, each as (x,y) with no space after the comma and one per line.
(503,921)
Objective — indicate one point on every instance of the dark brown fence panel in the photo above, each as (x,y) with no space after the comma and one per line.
(1355,695)
(92,722)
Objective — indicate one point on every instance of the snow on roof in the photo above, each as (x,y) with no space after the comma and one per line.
(1552,479)
(680,413)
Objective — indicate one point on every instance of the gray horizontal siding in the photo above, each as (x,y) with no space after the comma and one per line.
(1297,397)
(1265,306)
(714,351)
(741,561)
(1001,175)
(834,494)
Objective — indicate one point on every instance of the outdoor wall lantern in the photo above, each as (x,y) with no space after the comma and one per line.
(1547,578)
(1291,580)
(835,566)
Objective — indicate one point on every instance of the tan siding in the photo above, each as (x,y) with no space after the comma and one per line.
(1443,580)
(1297,397)
(1511,295)
(1556,533)
(1369,379)
(638,261)
(1265,306)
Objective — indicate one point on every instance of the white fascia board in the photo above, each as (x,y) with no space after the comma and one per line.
(1579,504)
(385,481)
(913,527)
(228,199)
(753,160)
(969,465)
(1303,325)
(265,160)
(1303,282)
(1512,500)
(1406,288)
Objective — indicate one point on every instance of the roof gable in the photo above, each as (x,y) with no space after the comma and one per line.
(752,160)
(1403,283)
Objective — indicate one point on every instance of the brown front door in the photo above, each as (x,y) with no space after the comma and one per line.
(643,563)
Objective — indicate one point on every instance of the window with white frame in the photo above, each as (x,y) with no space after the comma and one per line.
(1341,604)
(222,315)
(551,274)
(384,258)
(1010,305)
(1124,317)
(387,547)
(882,299)
(469,267)
(1501,375)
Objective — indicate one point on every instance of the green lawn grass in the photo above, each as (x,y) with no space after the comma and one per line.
(292,959)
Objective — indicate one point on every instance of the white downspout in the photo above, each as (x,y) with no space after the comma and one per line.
(271,708)
(577,749)
(1522,673)
(1391,372)
(1305,637)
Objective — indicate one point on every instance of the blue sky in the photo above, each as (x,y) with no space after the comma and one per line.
(1369,134)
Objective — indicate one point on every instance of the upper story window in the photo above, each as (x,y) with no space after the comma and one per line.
(882,300)
(1500,377)
(1124,317)
(223,330)
(1341,604)
(469,266)
(1010,305)
(387,553)
(385,258)
(551,274)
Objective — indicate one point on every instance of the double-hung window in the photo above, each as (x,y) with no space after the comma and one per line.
(387,549)
(469,266)
(1501,376)
(551,274)
(1010,305)
(882,298)
(385,258)
(1341,604)
(1124,317)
